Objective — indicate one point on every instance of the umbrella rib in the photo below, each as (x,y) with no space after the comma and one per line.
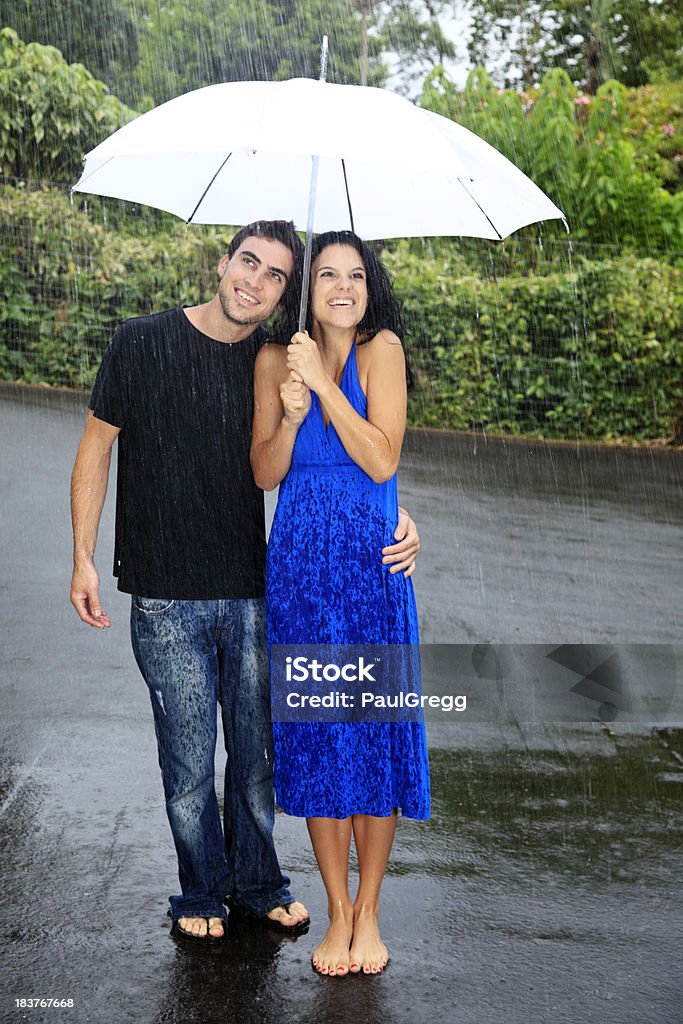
(348,197)
(500,237)
(203,195)
(75,188)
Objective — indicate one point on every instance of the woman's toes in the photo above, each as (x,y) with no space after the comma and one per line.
(368,953)
(331,956)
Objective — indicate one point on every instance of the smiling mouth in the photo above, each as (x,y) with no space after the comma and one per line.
(341,302)
(250,300)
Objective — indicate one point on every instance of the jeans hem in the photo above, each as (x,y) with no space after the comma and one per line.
(262,907)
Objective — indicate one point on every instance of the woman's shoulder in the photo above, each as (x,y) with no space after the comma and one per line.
(383,336)
(382,346)
(380,359)
(271,358)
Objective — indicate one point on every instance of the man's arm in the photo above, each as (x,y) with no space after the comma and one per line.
(88,491)
(402,556)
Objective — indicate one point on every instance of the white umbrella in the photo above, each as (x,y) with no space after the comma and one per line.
(242,151)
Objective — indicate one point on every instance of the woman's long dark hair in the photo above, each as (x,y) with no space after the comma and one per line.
(384,310)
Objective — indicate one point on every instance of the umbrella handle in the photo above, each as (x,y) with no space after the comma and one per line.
(323,59)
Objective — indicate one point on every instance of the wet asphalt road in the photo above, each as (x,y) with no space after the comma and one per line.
(546,886)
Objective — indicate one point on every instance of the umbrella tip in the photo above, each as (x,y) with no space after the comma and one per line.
(323,59)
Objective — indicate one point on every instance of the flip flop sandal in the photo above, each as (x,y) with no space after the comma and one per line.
(278,926)
(183,934)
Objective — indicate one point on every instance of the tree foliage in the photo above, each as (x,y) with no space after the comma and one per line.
(186,46)
(101,34)
(634,41)
(411,29)
(580,150)
(51,112)
(148,51)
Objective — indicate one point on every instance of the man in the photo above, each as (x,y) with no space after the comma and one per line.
(175,388)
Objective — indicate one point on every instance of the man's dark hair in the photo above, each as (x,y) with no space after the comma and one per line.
(285,232)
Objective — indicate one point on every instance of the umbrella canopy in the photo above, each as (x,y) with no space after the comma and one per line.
(242,151)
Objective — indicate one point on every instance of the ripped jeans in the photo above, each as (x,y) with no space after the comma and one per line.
(195,655)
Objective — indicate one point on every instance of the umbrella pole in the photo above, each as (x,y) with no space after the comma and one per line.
(309,243)
(311,207)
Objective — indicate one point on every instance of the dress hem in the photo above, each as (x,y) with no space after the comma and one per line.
(414,814)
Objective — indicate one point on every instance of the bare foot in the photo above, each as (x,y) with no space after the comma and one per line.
(197,926)
(290,916)
(332,955)
(368,953)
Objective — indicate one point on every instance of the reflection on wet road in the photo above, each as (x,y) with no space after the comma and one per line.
(544,888)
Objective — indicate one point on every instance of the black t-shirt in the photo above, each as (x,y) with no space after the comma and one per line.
(189,517)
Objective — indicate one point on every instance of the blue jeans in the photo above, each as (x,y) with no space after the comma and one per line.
(194,655)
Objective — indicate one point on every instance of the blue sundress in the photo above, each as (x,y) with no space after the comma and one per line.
(326,584)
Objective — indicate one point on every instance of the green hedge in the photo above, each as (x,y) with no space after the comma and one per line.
(591,350)
(66,282)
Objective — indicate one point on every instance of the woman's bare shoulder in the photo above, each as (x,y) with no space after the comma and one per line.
(272,359)
(384,345)
(272,353)
(383,337)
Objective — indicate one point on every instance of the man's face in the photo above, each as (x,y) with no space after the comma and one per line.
(254,279)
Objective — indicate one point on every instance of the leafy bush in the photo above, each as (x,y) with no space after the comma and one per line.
(66,282)
(592,353)
(592,350)
(51,112)
(615,178)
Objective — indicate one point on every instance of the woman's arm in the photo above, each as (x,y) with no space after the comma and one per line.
(374,443)
(280,407)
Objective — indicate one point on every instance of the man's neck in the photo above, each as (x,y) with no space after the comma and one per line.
(210,319)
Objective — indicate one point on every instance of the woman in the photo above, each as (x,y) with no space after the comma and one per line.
(329,421)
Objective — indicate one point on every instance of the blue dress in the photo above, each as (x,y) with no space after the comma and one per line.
(325,583)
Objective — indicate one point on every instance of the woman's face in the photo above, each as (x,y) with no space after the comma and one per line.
(339,292)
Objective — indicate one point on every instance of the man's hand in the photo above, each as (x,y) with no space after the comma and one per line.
(88,490)
(401,557)
(85,585)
